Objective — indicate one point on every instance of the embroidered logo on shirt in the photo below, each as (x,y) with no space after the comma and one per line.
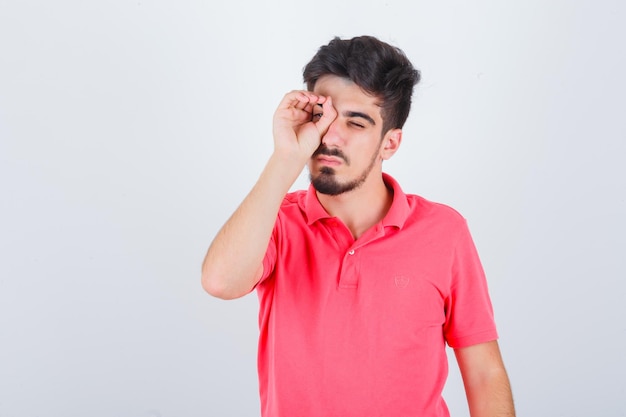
(401,281)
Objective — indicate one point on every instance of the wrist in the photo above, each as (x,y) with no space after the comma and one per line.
(290,161)
(284,168)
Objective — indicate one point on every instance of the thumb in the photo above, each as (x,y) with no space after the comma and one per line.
(329,114)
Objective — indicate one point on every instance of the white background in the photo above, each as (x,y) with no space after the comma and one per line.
(130,130)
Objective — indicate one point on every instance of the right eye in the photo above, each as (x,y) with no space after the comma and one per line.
(316,117)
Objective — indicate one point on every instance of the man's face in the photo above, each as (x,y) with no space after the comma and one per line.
(350,149)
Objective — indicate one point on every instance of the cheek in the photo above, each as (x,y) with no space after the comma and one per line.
(380,149)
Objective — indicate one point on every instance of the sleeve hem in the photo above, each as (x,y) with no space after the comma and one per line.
(473,339)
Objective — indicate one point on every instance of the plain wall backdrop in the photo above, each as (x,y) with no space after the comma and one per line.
(130,130)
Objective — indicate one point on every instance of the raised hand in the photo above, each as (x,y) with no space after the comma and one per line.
(234,261)
(300,121)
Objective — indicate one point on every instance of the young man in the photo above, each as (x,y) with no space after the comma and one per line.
(360,285)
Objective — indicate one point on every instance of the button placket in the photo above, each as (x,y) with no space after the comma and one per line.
(351,267)
(350,270)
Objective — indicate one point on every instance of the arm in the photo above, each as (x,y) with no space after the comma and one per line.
(233,263)
(485,379)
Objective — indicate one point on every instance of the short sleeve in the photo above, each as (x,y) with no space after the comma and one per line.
(469,312)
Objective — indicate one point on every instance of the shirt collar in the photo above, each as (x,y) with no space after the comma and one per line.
(399,210)
(396,216)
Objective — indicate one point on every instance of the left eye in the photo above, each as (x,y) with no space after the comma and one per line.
(317,116)
(357,125)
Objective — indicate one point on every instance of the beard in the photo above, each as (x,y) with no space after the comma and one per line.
(326,182)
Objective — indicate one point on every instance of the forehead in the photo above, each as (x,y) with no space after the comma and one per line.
(346,95)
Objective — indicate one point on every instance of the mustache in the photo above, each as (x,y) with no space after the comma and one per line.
(325,150)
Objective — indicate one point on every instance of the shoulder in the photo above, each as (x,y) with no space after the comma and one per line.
(295,199)
(430,210)
(434,220)
(413,208)
(293,207)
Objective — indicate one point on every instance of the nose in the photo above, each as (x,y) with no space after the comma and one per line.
(333,137)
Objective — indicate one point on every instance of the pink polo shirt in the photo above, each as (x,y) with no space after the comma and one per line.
(357,328)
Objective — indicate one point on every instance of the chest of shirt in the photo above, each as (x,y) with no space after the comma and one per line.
(400,275)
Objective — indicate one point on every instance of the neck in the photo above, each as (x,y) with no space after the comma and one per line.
(362,208)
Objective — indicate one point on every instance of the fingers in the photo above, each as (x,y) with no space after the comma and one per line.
(301,100)
(297,108)
(328,115)
(300,121)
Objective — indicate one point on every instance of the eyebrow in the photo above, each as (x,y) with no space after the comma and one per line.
(360,115)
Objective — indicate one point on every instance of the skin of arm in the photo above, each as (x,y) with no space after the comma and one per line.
(485,379)
(233,263)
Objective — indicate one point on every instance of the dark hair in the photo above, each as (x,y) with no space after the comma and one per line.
(376,67)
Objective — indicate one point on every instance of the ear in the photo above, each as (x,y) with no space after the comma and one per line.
(391,143)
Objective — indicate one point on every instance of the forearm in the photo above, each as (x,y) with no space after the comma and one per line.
(490,396)
(233,263)
(486,381)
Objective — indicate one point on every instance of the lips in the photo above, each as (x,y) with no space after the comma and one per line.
(330,156)
(329,160)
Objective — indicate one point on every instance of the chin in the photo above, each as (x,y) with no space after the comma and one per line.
(327,183)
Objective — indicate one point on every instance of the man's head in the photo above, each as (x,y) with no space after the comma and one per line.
(378,68)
